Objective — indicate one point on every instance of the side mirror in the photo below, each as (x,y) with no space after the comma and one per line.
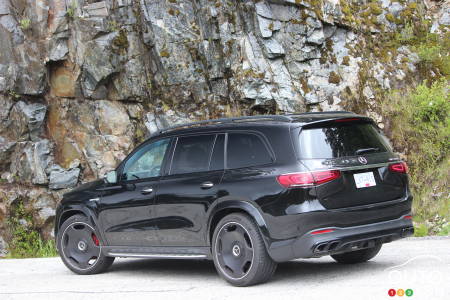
(110,177)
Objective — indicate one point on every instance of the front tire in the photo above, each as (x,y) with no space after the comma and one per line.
(80,248)
(357,256)
(239,252)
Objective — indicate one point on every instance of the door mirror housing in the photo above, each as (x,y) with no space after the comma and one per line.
(110,177)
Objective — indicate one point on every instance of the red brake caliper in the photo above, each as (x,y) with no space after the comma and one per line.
(95,239)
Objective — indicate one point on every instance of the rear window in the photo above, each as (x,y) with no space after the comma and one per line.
(341,140)
(245,150)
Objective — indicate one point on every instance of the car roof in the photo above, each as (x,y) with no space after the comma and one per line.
(298,119)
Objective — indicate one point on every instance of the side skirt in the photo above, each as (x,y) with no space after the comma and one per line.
(158,252)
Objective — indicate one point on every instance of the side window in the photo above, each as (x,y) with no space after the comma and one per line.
(146,162)
(192,154)
(217,157)
(244,150)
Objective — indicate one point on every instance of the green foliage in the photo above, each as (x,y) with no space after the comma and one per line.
(71,10)
(433,49)
(432,105)
(13,94)
(26,240)
(445,231)
(113,26)
(428,53)
(25,24)
(375,8)
(406,34)
(390,17)
(419,124)
(421,230)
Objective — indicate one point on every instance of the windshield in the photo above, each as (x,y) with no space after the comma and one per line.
(341,140)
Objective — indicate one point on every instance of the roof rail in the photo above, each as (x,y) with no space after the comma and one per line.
(321,112)
(281,118)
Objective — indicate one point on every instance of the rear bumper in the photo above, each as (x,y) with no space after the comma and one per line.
(340,239)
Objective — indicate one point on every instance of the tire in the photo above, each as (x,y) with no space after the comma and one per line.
(357,256)
(239,252)
(79,247)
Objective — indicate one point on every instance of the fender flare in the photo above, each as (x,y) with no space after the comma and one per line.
(245,206)
(88,212)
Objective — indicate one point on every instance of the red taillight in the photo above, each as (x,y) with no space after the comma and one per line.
(407,217)
(325,176)
(308,178)
(400,167)
(322,231)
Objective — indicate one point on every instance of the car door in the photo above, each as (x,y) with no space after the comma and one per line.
(126,208)
(190,187)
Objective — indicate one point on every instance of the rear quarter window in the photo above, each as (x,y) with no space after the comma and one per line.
(245,150)
(341,140)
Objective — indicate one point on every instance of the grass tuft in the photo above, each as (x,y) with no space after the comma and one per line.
(26,240)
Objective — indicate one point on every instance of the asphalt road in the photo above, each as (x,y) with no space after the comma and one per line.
(422,265)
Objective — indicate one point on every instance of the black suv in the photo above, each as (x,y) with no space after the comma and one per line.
(245,192)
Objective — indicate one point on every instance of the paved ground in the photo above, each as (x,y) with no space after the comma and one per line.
(422,265)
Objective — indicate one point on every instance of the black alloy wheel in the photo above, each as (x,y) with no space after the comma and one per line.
(234,250)
(80,247)
(239,252)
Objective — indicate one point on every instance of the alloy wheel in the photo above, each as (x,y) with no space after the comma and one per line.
(80,245)
(234,250)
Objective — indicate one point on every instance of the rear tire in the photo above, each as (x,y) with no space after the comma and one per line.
(80,248)
(239,252)
(357,256)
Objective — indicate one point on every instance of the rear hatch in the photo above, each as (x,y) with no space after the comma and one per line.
(363,156)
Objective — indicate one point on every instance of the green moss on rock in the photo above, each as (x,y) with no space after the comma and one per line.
(375,8)
(164,53)
(334,78)
(390,17)
(121,41)
(346,60)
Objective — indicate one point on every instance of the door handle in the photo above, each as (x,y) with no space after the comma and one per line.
(147,191)
(207,185)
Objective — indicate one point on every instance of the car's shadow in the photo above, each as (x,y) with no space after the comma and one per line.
(298,269)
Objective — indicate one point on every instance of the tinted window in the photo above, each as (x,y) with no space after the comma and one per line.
(217,157)
(146,162)
(244,150)
(192,154)
(346,139)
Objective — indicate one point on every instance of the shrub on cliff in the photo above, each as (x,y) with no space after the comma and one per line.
(419,126)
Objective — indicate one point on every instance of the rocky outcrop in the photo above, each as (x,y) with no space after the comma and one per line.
(82,82)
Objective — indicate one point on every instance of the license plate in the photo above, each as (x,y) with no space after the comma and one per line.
(363,180)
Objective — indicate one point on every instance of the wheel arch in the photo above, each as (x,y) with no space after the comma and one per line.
(236,206)
(70,211)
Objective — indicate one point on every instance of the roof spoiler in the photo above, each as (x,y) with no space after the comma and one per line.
(337,120)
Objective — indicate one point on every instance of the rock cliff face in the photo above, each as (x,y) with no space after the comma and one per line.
(82,82)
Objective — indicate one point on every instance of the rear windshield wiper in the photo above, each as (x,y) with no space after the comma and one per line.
(366,150)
